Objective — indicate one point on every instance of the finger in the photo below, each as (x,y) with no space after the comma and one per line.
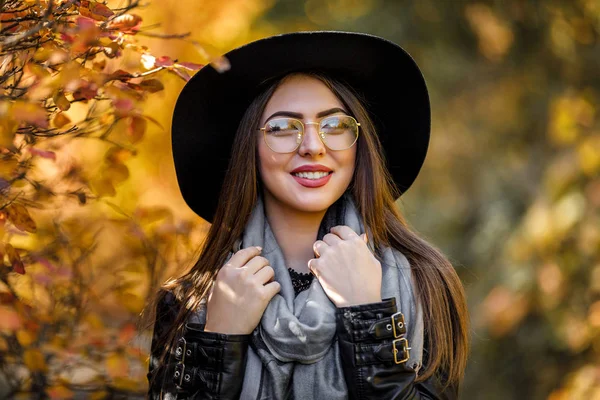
(256,264)
(265,274)
(343,231)
(242,256)
(312,267)
(271,289)
(318,247)
(331,239)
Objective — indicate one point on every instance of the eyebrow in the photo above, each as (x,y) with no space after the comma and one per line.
(300,115)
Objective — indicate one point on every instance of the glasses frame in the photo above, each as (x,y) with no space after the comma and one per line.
(303,124)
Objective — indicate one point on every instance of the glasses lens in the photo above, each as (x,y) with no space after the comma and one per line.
(339,132)
(283,134)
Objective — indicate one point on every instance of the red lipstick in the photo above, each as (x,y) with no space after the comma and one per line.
(312,183)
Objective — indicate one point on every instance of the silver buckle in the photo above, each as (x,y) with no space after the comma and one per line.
(399,323)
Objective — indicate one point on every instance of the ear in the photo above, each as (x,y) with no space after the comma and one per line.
(364,237)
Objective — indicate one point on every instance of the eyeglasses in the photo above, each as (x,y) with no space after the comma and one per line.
(284,135)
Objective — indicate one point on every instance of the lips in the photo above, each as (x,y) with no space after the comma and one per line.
(312,175)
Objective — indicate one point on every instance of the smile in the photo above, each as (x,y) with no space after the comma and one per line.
(311,175)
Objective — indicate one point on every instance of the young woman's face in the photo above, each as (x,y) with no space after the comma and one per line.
(309,100)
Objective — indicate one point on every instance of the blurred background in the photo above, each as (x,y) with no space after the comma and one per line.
(93,221)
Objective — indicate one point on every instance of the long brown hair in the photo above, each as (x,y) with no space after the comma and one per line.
(437,284)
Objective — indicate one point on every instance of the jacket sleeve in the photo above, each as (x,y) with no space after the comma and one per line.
(373,355)
(202,365)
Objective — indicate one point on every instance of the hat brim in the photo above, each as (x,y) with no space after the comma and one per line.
(210,106)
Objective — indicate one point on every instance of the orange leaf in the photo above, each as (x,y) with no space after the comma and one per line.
(127,333)
(127,23)
(60,120)
(19,216)
(95,10)
(9,319)
(60,392)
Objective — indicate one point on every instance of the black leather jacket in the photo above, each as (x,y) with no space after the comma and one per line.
(209,365)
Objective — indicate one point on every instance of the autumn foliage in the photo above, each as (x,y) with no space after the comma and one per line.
(73,74)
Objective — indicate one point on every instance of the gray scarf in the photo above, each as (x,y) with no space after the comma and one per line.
(294,349)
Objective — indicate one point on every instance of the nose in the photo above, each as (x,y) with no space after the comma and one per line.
(311,145)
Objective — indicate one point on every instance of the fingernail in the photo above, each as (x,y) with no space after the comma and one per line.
(259,248)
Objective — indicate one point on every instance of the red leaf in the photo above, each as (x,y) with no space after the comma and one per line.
(163,61)
(119,75)
(123,105)
(67,38)
(43,153)
(85,23)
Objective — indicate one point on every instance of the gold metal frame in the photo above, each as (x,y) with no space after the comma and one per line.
(303,124)
(405,349)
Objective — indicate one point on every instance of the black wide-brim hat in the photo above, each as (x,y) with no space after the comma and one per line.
(211,105)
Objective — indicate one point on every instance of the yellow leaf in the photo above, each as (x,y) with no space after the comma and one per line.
(102,187)
(126,384)
(30,113)
(116,173)
(61,101)
(34,360)
(136,127)
(8,167)
(14,258)
(25,337)
(118,155)
(131,302)
(148,215)
(117,366)
(589,155)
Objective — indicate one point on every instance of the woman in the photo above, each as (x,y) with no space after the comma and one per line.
(310,285)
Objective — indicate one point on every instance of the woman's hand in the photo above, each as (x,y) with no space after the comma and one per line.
(243,288)
(348,271)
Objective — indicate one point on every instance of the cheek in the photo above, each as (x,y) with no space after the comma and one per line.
(269,163)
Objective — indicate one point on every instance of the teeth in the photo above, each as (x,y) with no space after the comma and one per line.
(311,175)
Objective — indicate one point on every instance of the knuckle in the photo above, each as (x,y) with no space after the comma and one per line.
(244,274)
(263,260)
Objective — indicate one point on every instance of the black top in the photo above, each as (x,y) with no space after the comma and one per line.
(300,280)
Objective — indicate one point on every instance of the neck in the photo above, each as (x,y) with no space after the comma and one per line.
(295,231)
